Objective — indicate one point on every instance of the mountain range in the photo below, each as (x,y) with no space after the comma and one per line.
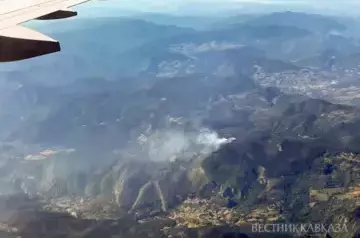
(151,128)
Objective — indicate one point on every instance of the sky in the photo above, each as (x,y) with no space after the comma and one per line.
(191,7)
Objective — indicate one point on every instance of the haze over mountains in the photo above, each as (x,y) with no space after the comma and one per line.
(144,126)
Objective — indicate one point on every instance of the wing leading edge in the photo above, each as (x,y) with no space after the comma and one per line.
(18,42)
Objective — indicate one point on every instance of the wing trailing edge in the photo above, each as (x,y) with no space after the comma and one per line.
(18,43)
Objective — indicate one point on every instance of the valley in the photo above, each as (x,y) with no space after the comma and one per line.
(182,132)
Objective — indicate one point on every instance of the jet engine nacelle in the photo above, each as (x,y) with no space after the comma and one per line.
(60,14)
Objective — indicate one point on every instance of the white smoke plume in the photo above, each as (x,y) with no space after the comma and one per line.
(211,140)
(175,144)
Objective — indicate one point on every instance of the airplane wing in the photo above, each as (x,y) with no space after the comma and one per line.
(18,42)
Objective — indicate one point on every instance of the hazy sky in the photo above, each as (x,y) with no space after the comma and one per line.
(111,7)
